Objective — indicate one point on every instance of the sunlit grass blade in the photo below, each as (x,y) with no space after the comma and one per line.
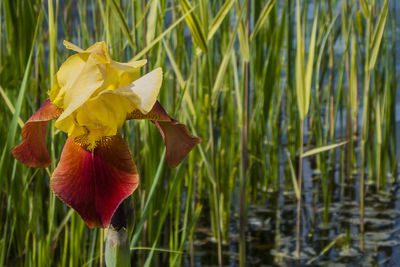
(174,65)
(353,79)
(365,8)
(123,23)
(225,59)
(299,68)
(261,19)
(158,250)
(159,37)
(217,20)
(10,105)
(194,25)
(378,33)
(179,76)
(152,21)
(52,18)
(326,249)
(310,64)
(144,212)
(293,175)
(18,106)
(243,35)
(317,150)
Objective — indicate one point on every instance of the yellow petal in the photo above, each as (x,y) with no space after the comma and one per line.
(100,52)
(72,47)
(98,48)
(66,77)
(106,113)
(143,92)
(121,74)
(70,126)
(98,117)
(88,81)
(129,65)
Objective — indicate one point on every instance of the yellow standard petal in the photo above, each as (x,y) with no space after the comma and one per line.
(72,47)
(143,92)
(66,77)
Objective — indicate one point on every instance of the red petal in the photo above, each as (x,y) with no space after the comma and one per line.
(157,113)
(33,151)
(94,183)
(176,135)
(177,139)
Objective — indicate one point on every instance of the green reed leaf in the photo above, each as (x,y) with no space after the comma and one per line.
(217,20)
(261,19)
(378,33)
(293,175)
(310,64)
(159,37)
(194,25)
(317,150)
(124,25)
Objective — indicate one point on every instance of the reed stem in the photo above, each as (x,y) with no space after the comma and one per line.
(300,184)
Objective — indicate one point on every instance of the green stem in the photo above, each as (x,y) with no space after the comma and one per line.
(244,141)
(300,184)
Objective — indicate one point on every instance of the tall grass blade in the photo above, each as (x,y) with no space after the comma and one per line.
(124,25)
(159,37)
(144,213)
(225,59)
(152,21)
(378,33)
(10,105)
(293,175)
(24,85)
(310,64)
(299,68)
(261,19)
(194,25)
(353,85)
(217,20)
(317,150)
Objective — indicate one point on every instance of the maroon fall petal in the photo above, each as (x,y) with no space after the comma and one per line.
(94,183)
(33,151)
(177,138)
(157,113)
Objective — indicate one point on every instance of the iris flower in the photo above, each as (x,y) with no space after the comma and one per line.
(92,96)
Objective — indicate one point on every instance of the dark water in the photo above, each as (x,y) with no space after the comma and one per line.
(271,233)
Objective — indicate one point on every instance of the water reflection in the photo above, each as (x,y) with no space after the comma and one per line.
(330,226)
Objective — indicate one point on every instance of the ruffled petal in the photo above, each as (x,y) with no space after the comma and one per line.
(120,74)
(72,47)
(66,76)
(88,81)
(127,66)
(94,183)
(177,138)
(33,151)
(143,92)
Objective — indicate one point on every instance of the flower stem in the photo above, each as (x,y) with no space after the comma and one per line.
(117,244)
